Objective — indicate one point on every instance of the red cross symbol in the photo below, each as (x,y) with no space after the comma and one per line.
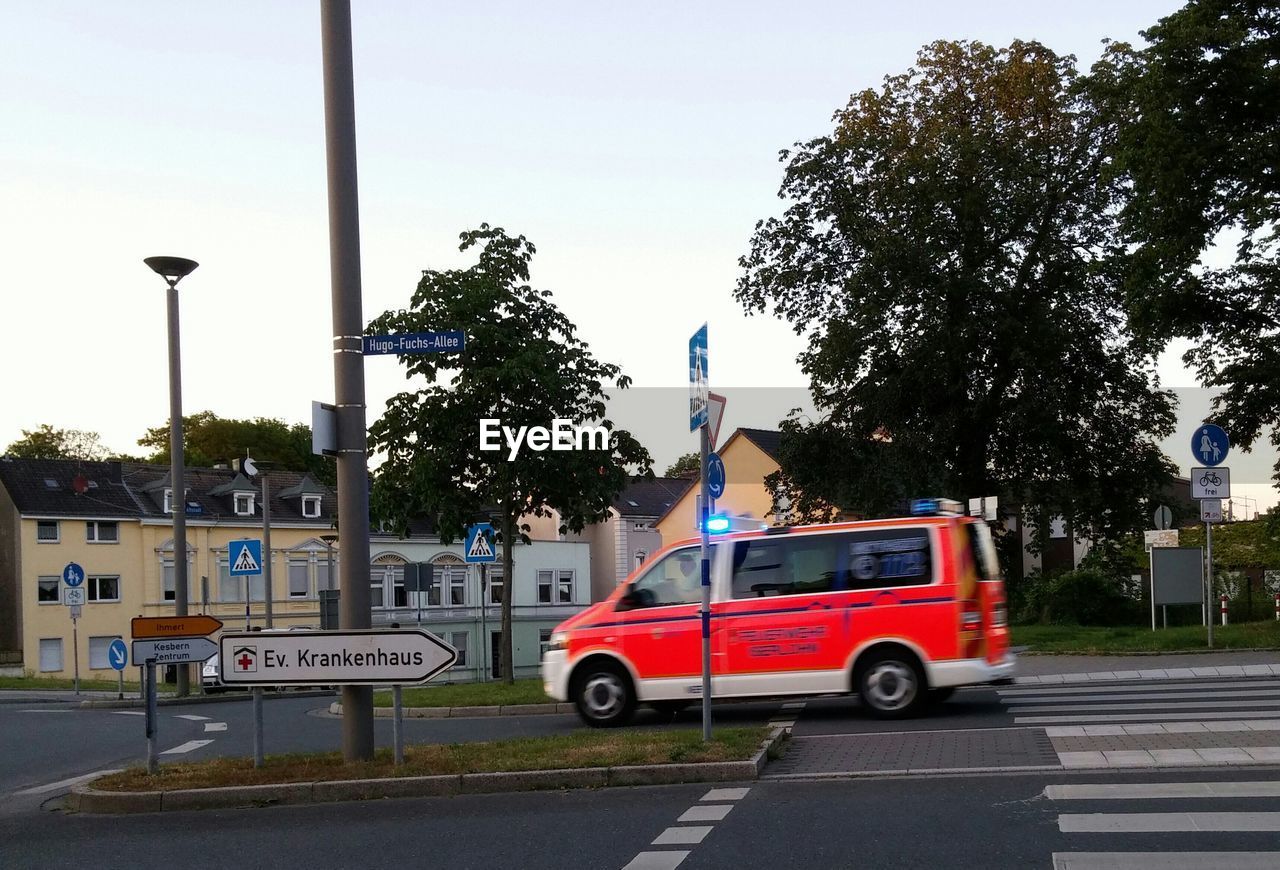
(244,661)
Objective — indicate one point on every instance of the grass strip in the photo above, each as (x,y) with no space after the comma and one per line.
(469,695)
(555,752)
(1096,640)
(36,683)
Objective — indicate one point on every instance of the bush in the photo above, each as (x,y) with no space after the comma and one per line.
(1085,596)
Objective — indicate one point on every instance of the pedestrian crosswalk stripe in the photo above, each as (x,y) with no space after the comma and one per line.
(1006,694)
(1086,791)
(1144,696)
(1176,705)
(1165,860)
(1148,823)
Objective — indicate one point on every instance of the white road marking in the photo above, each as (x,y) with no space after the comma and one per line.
(192,717)
(1146,790)
(1147,823)
(67,784)
(687,835)
(794,705)
(657,860)
(1178,705)
(1136,717)
(215,726)
(130,712)
(726,794)
(1212,755)
(1165,860)
(1091,689)
(1142,696)
(705,813)
(60,710)
(186,747)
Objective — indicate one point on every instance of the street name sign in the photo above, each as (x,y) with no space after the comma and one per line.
(144,627)
(246,557)
(73,596)
(452,341)
(1211,483)
(118,654)
(371,657)
(174,650)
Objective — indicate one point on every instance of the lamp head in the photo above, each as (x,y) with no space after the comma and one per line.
(172,269)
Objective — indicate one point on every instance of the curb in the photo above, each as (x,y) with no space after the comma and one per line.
(86,799)
(116,704)
(1223,671)
(335,709)
(1163,652)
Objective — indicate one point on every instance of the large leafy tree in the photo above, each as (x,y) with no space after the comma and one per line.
(523,365)
(684,465)
(48,442)
(1199,141)
(208,439)
(951,251)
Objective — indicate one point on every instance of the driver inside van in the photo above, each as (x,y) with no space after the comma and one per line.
(685,584)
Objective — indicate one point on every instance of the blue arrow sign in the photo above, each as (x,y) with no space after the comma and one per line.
(453,341)
(479,546)
(715,475)
(246,558)
(1210,444)
(118,654)
(72,575)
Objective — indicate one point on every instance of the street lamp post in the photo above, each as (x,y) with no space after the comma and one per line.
(329,541)
(173,270)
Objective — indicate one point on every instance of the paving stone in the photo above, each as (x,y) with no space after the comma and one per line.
(1202,740)
(1129,758)
(1082,759)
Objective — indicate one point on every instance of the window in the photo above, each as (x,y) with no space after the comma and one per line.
(102,533)
(458,640)
(103,589)
(168,501)
(544,641)
(98,647)
(674,580)
(243,504)
(496,585)
(47,591)
(1057,527)
(299,578)
(47,532)
(311,506)
(50,653)
(456,583)
(386,571)
(322,573)
(166,569)
(555,587)
(231,589)
(641,555)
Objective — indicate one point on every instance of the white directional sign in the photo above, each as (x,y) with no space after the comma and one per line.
(1211,483)
(397,656)
(1162,538)
(173,650)
(73,596)
(1211,511)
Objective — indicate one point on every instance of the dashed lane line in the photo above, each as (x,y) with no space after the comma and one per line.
(705,813)
(685,835)
(65,783)
(186,747)
(192,717)
(664,860)
(215,726)
(705,810)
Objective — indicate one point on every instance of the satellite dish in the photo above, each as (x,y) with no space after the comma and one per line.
(249,468)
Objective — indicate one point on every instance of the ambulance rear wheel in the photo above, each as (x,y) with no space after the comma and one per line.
(603,694)
(891,684)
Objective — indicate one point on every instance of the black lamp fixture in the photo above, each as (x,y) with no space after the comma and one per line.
(172,269)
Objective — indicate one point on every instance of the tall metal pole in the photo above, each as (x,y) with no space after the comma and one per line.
(266,547)
(703,511)
(348,357)
(1208,579)
(177,475)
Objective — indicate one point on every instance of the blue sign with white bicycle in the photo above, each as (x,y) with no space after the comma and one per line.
(72,575)
(715,475)
(118,654)
(1210,445)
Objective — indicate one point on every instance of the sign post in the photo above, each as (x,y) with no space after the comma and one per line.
(118,656)
(73,597)
(1210,445)
(699,419)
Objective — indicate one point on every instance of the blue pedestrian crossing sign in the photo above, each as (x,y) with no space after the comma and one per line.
(479,544)
(246,557)
(72,575)
(118,654)
(1209,445)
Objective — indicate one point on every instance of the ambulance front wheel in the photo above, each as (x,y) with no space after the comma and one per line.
(603,694)
(891,684)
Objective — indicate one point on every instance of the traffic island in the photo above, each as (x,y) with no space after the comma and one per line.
(587,759)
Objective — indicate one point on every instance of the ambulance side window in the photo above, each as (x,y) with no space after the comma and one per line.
(676,579)
(778,566)
(888,558)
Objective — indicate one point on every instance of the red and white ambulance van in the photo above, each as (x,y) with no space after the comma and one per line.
(899,611)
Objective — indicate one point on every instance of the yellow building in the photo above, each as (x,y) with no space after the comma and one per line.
(113,520)
(749,456)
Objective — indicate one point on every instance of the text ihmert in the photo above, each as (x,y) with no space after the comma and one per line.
(563,435)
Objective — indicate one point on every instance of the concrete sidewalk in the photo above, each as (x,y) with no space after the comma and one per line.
(1036,669)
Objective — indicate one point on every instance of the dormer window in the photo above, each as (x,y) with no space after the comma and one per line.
(244,504)
(311,506)
(168,500)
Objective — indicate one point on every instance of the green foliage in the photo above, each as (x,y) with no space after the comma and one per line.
(951,252)
(1197,112)
(46,442)
(1253,544)
(523,365)
(209,439)
(689,463)
(1085,596)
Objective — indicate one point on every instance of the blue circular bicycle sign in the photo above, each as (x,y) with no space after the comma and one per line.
(1210,444)
(72,575)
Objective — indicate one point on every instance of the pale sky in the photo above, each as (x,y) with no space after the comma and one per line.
(636,146)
